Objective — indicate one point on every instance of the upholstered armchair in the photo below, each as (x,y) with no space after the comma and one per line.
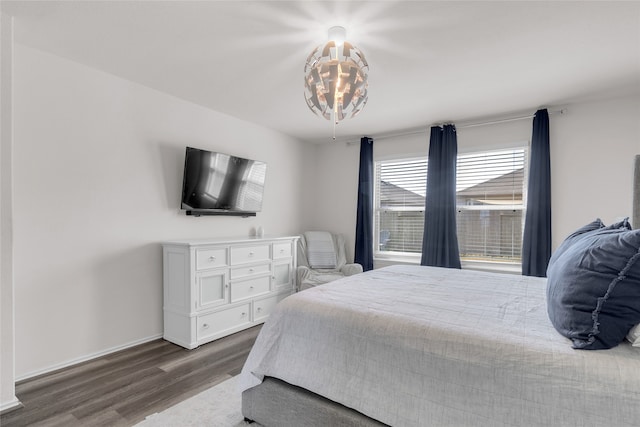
(322,258)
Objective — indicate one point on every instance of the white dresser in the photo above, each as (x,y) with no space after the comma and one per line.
(214,288)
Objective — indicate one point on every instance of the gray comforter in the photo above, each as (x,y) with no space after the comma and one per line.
(423,346)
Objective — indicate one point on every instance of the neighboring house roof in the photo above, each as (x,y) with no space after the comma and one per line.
(495,188)
(393,195)
(501,186)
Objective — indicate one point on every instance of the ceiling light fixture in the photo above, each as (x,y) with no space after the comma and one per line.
(335,79)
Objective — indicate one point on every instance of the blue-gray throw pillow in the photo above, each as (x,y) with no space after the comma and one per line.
(584,231)
(595,225)
(593,287)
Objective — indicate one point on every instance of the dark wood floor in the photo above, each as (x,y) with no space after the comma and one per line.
(122,388)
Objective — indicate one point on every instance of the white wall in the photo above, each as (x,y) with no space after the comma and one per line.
(97,174)
(592,147)
(593,150)
(332,181)
(7,375)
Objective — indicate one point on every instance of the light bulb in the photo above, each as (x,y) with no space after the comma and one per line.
(338,35)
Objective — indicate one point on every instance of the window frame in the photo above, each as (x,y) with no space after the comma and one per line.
(387,257)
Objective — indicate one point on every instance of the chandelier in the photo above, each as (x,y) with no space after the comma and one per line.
(335,79)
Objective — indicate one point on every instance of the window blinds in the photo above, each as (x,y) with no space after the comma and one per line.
(489,194)
(399,198)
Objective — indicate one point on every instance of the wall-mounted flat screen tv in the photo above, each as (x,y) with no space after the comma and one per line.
(221,184)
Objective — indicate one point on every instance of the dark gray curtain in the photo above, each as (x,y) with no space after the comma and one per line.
(536,241)
(440,241)
(364,220)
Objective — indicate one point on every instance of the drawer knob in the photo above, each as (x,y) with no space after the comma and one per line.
(243,314)
(205,326)
(250,288)
(212,258)
(259,309)
(251,270)
(281,251)
(250,253)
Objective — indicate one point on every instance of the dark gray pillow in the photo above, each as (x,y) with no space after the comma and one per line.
(593,286)
(584,231)
(621,225)
(572,238)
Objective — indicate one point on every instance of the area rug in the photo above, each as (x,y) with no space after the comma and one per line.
(218,406)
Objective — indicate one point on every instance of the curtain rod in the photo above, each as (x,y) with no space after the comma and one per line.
(413,131)
(509,119)
(420,130)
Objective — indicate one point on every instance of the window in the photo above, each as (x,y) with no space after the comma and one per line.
(489,190)
(490,210)
(399,200)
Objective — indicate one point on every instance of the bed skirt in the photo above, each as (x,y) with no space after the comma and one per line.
(277,403)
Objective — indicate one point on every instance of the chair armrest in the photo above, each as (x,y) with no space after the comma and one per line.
(302,272)
(351,269)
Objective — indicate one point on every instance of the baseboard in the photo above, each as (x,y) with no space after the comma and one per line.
(6,407)
(86,358)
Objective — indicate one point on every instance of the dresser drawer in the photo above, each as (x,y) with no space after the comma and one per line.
(262,308)
(220,321)
(244,254)
(249,288)
(211,258)
(281,250)
(250,270)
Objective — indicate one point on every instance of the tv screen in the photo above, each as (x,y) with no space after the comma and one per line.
(218,183)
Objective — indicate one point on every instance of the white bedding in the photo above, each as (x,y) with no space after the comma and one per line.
(424,346)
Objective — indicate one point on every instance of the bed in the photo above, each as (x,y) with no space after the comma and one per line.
(426,346)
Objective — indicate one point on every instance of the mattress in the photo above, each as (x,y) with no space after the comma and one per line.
(415,346)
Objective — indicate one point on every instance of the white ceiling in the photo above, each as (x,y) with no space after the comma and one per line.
(430,62)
